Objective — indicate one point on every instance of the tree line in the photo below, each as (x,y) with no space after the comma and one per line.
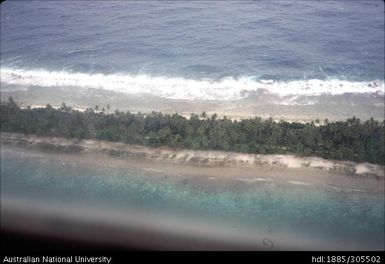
(352,139)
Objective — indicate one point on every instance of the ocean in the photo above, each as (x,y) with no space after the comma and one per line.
(297,60)
(195,50)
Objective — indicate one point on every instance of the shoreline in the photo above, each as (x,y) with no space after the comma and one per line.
(211,167)
(279,172)
(187,115)
(334,108)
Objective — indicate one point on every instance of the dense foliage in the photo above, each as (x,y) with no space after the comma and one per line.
(350,140)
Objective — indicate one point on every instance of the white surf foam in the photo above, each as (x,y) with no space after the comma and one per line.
(180,88)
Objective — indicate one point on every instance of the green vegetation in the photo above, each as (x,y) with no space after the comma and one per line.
(349,140)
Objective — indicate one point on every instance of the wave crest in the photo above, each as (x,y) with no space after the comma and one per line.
(228,88)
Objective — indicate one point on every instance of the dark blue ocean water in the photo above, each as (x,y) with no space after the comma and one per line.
(227,44)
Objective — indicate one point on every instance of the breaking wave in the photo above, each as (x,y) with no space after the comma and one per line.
(228,88)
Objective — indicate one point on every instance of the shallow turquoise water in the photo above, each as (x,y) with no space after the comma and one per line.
(312,211)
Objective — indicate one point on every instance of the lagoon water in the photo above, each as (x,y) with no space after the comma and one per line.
(291,217)
(199,51)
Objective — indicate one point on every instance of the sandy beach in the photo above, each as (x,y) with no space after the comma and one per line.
(198,171)
(259,127)
(205,166)
(307,109)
